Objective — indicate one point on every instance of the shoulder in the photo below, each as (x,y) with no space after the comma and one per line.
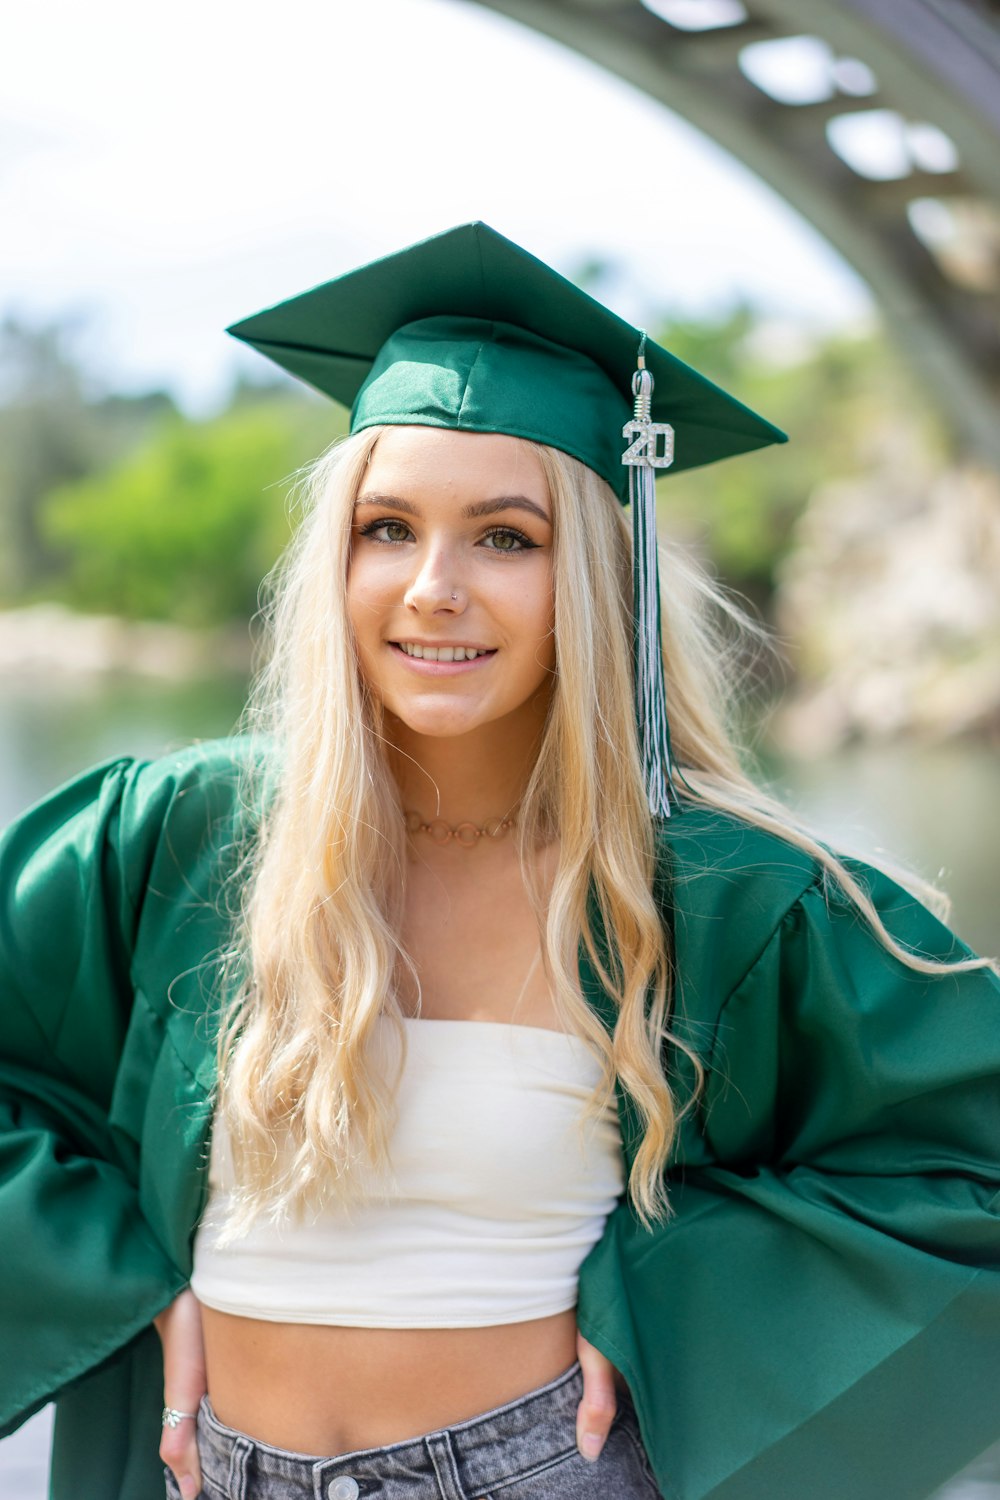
(725,886)
(704,841)
(136,792)
(125,827)
(184,818)
(737,896)
(206,775)
(192,786)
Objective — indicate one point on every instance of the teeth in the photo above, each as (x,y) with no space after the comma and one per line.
(441,653)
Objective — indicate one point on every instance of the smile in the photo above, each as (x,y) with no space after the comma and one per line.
(441,653)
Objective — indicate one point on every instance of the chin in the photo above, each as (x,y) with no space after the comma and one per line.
(438,726)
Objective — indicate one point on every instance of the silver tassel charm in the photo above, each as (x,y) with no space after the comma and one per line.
(651,447)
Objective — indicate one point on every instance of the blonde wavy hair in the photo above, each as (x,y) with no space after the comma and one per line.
(309,1111)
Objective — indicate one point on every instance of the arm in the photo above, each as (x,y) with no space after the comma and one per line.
(824,1307)
(81,1273)
(184,1384)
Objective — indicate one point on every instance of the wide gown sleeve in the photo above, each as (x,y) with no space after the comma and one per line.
(821,1317)
(80,1270)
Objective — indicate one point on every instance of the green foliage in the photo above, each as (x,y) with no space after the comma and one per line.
(53,428)
(185,528)
(832,399)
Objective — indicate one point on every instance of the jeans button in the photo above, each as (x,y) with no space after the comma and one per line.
(344,1488)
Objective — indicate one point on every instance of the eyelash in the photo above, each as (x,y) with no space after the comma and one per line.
(525,542)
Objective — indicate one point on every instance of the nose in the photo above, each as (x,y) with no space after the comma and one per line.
(436,584)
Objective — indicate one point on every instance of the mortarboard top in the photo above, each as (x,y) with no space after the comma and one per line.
(467,330)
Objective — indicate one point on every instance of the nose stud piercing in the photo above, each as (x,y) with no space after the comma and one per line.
(454,596)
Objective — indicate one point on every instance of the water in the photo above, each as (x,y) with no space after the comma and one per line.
(50,728)
(933,808)
(936,809)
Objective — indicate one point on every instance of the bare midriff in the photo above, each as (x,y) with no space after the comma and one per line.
(323,1390)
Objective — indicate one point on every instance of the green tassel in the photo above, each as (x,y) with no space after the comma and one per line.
(651,449)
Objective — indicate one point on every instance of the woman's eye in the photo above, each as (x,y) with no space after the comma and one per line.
(503,539)
(386,531)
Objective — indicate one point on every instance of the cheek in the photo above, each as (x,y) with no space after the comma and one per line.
(544,613)
(545,656)
(532,616)
(365,619)
(366,595)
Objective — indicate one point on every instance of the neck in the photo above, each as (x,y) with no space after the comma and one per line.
(468,778)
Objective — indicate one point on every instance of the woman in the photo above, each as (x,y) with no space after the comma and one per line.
(401,957)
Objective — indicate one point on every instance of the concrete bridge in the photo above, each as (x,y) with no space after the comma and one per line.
(878,120)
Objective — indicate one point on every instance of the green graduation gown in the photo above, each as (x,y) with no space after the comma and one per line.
(820,1318)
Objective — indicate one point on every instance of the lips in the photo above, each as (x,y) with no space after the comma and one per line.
(441,653)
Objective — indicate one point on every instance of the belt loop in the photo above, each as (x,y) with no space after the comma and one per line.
(239,1463)
(442,1456)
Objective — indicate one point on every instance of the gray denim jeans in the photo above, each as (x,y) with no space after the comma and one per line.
(525,1450)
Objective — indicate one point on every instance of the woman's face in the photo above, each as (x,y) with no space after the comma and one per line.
(451,557)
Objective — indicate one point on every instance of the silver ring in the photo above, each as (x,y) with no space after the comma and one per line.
(173,1418)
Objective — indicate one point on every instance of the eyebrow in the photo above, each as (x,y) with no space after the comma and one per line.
(470,512)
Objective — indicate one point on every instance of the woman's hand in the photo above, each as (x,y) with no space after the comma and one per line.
(184,1384)
(596,1411)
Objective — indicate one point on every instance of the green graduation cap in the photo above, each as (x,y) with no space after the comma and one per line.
(466,330)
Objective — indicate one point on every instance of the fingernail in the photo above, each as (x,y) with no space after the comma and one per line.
(187,1485)
(591,1444)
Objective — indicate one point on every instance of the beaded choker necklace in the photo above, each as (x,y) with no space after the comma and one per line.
(466,834)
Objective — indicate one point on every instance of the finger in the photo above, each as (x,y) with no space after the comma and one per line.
(179,1451)
(597,1409)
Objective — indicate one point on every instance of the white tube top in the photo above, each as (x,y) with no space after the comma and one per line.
(498,1197)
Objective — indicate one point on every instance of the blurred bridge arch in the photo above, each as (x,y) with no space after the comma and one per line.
(879,120)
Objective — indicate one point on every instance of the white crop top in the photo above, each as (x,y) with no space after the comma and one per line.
(499,1196)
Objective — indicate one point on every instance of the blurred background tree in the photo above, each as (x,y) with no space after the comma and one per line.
(833,396)
(54,427)
(187,524)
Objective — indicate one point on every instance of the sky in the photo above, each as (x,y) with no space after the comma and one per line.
(167,170)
